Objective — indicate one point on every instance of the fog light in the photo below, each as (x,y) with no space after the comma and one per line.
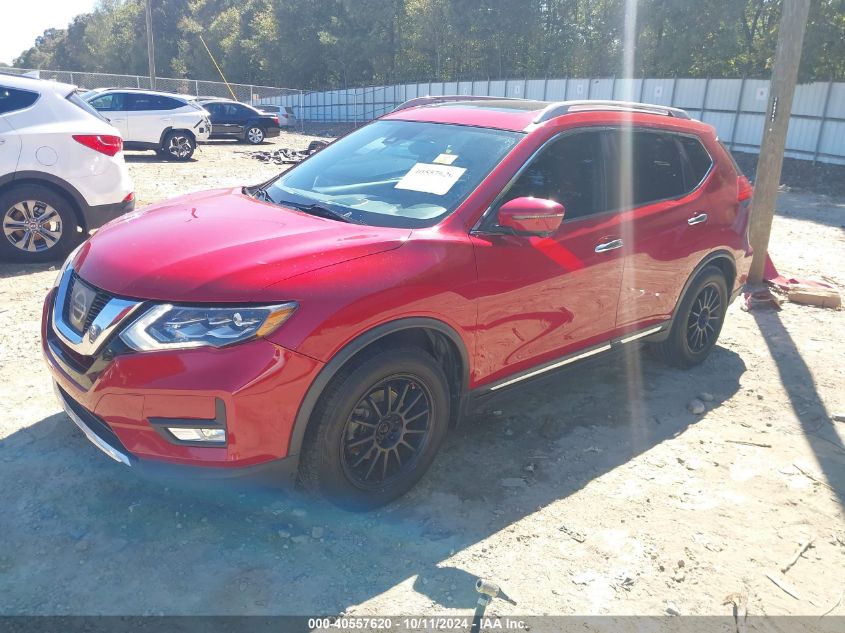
(211,436)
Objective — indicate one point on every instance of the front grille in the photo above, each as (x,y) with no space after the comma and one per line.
(96,306)
(75,360)
(100,300)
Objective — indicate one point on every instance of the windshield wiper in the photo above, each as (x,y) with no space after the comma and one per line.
(321,211)
(261,194)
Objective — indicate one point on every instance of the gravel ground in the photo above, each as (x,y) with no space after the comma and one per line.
(592,492)
(801,175)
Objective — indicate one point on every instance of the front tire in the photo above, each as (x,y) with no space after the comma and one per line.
(39,224)
(254,135)
(179,145)
(698,321)
(376,429)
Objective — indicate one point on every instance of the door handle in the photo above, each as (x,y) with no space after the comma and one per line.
(2,141)
(608,246)
(697,219)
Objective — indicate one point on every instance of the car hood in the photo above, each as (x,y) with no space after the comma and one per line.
(220,246)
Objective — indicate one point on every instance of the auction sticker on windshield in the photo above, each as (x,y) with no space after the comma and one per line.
(429,178)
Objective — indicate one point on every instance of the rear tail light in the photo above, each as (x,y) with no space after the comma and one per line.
(276,120)
(744,190)
(129,197)
(103,143)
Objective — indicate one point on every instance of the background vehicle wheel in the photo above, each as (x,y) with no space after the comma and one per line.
(698,321)
(179,145)
(39,224)
(376,429)
(316,146)
(254,135)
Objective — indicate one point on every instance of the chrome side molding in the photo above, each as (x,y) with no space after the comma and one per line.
(600,349)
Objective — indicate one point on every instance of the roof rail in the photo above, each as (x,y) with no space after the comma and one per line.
(565,107)
(435,99)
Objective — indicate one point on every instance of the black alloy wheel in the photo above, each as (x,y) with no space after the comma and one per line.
(387,431)
(376,428)
(705,319)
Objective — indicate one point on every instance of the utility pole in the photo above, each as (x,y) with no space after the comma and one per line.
(784,74)
(150,46)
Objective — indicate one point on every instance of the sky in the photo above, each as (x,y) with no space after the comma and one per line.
(22,22)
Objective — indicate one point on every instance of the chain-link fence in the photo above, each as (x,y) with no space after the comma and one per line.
(245,93)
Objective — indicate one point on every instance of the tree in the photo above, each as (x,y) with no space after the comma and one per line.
(315,43)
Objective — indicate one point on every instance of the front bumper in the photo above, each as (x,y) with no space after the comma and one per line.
(277,471)
(124,402)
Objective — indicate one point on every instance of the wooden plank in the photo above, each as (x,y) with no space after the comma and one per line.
(814,296)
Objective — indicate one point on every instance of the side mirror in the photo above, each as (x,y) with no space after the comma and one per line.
(531,216)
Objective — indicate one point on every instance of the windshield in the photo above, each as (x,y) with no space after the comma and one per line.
(396,173)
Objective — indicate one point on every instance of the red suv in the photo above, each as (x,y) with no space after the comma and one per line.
(333,323)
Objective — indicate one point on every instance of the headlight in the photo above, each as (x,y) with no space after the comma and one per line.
(66,264)
(178,327)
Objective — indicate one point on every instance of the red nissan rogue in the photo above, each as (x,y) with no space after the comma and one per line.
(331,324)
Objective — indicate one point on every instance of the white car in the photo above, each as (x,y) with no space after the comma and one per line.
(62,172)
(285,113)
(170,124)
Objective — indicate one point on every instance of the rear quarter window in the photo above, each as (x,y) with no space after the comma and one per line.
(12,99)
(698,159)
(79,102)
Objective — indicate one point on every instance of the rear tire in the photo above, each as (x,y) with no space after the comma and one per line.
(697,323)
(376,429)
(39,224)
(179,145)
(254,135)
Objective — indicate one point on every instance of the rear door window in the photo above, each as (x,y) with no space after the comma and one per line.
(168,103)
(110,102)
(12,99)
(658,172)
(141,102)
(643,167)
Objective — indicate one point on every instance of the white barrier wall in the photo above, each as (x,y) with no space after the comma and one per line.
(735,107)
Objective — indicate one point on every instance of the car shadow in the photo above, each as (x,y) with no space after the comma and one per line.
(79,521)
(153,158)
(8,270)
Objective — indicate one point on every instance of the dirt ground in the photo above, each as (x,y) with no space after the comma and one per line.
(592,492)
